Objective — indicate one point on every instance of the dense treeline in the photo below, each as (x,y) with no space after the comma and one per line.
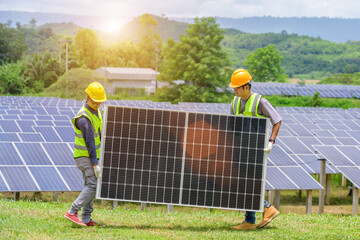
(301,54)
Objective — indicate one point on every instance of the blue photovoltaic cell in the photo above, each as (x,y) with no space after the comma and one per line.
(284,133)
(63,123)
(332,154)
(340,127)
(325,126)
(48,134)
(278,180)
(351,124)
(29,112)
(44,123)
(310,127)
(352,152)
(9,117)
(9,155)
(60,153)
(44,117)
(329,141)
(27,117)
(309,142)
(61,118)
(301,119)
(322,133)
(16,112)
(352,173)
(73,177)
(48,179)
(26,125)
(355,135)
(33,153)
(9,126)
(295,145)
(347,141)
(39,110)
(52,111)
(299,130)
(9,137)
(66,133)
(3,187)
(280,158)
(301,178)
(19,179)
(31,137)
(301,163)
(340,133)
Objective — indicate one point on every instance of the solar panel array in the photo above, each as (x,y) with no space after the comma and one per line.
(183,158)
(291,89)
(47,122)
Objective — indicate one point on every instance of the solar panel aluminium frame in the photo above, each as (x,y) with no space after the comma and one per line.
(180,203)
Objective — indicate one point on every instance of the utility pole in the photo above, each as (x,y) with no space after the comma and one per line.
(156,63)
(59,43)
(67,41)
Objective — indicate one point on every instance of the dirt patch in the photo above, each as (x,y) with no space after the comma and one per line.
(307,81)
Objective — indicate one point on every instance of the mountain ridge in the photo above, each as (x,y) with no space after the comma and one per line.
(332,29)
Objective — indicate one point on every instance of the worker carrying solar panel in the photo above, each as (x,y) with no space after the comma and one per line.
(87,125)
(248,103)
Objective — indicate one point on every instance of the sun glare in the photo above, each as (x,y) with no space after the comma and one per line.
(112,26)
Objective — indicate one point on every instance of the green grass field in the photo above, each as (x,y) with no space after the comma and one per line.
(29,219)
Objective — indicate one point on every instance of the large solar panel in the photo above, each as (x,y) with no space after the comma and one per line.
(345,159)
(183,158)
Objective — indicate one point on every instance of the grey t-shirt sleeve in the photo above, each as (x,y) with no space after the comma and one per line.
(266,109)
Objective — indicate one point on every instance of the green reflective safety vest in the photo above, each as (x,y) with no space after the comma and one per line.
(80,149)
(251,106)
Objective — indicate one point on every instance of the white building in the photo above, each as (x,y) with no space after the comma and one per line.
(129,78)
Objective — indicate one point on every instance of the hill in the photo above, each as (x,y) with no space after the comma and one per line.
(332,29)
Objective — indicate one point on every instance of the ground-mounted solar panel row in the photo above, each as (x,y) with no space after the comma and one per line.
(290,89)
(30,120)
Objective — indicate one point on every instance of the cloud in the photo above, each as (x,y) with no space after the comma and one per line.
(192,8)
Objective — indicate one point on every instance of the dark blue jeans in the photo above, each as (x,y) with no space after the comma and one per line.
(250,216)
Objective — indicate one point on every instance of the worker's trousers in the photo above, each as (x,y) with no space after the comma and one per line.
(250,216)
(86,198)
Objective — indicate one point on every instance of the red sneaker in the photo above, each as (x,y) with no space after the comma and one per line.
(93,223)
(74,218)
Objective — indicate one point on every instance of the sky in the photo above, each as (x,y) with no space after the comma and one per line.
(191,8)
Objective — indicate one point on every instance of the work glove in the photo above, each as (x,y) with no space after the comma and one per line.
(269,147)
(97,170)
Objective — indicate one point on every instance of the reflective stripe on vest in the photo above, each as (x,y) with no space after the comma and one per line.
(251,106)
(80,149)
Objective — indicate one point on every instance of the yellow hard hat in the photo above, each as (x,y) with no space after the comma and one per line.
(96,92)
(239,78)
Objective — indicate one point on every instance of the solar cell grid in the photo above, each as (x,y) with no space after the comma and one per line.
(19,179)
(183,158)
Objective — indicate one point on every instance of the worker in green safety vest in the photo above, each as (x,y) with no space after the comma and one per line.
(87,125)
(248,103)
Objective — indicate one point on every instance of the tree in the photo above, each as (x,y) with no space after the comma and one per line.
(123,54)
(32,22)
(264,65)
(41,70)
(199,60)
(149,43)
(12,78)
(12,44)
(87,48)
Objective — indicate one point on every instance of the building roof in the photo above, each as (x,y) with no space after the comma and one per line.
(128,73)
